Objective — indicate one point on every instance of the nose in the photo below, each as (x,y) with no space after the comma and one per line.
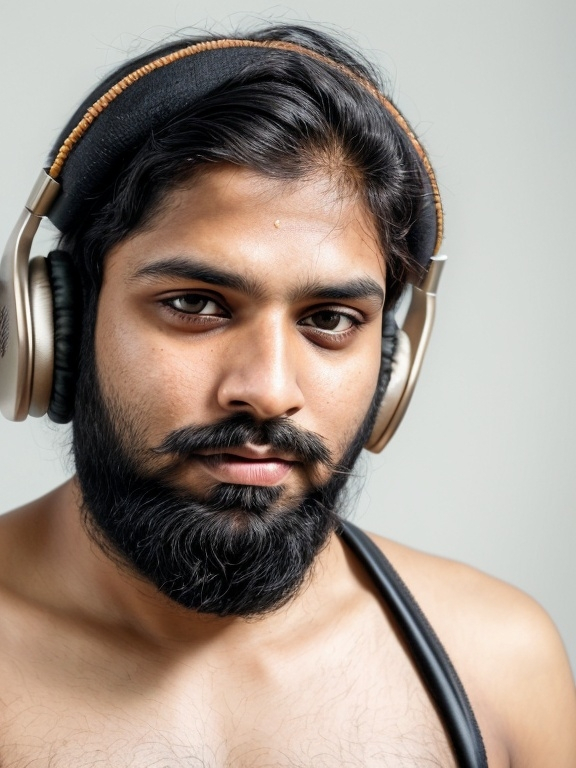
(260,373)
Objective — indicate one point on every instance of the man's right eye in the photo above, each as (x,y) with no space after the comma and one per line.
(195,304)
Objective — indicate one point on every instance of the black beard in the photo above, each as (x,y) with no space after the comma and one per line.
(238,550)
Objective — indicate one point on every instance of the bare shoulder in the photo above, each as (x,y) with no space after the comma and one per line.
(507,651)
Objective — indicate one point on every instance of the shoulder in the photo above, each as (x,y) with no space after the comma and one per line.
(27,535)
(507,651)
(21,531)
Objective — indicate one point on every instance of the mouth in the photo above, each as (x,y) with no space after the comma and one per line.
(243,466)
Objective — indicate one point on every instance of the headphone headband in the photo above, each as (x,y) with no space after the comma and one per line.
(139,91)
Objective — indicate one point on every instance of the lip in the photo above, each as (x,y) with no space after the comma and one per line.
(233,466)
(248,451)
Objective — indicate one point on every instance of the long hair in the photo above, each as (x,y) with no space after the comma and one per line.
(284,115)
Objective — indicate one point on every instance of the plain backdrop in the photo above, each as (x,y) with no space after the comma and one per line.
(482,469)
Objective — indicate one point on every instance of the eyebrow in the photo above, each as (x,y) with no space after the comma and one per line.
(357,288)
(191,269)
(187,268)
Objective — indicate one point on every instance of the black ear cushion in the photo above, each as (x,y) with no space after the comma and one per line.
(67,325)
(389,341)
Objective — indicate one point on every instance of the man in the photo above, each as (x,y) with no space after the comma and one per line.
(239,219)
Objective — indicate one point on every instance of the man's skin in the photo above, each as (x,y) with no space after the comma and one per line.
(98,668)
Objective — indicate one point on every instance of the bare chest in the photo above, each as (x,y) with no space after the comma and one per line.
(85,705)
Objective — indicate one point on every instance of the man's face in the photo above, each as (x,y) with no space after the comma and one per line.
(244,301)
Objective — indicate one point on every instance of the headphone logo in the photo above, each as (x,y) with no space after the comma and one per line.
(4,331)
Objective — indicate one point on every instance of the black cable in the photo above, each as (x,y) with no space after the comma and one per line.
(430,658)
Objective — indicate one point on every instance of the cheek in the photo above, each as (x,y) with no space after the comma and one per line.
(341,396)
(163,384)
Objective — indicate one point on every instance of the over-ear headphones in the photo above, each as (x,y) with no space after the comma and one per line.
(39,306)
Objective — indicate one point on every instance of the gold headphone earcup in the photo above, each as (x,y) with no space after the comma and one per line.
(18,280)
(16,342)
(411,342)
(41,308)
(393,395)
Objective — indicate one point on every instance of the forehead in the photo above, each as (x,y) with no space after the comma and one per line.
(270,231)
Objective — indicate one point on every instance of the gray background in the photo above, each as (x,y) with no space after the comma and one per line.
(482,468)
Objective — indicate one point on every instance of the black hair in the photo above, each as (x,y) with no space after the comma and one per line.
(285,115)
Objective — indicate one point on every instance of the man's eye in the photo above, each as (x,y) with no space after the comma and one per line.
(195,304)
(329,320)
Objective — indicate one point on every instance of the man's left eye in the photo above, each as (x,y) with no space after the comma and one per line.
(329,320)
(195,304)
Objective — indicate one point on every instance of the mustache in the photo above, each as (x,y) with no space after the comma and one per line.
(238,430)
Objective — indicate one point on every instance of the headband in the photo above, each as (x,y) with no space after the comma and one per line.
(143,100)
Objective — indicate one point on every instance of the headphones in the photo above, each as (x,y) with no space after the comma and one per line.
(39,312)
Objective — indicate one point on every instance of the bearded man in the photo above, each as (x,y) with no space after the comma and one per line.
(239,218)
